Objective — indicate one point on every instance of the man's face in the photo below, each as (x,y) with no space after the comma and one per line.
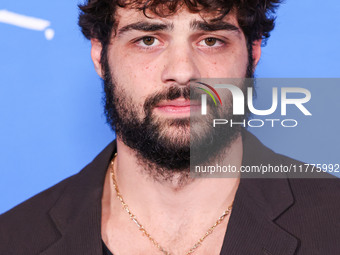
(150,64)
(146,62)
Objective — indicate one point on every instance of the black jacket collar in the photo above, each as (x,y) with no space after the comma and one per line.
(251,229)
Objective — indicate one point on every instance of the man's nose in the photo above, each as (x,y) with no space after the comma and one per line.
(179,66)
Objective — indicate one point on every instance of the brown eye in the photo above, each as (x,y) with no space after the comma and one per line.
(210,41)
(148,40)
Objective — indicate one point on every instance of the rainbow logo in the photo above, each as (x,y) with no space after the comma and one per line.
(209,93)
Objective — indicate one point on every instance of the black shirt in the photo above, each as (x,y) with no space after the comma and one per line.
(106,250)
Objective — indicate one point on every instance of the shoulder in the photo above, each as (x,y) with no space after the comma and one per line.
(317,193)
(32,224)
(311,190)
(308,179)
(44,199)
(314,215)
(28,222)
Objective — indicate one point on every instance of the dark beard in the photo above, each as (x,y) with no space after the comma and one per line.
(167,155)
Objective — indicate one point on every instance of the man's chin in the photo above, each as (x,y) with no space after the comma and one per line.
(176,132)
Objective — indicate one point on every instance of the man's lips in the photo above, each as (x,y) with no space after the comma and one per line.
(177,106)
(178,103)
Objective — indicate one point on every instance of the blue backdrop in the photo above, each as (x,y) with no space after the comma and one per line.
(51,113)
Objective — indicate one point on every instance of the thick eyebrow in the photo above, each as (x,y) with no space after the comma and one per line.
(145,27)
(216,26)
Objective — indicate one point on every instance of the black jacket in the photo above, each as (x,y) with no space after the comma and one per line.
(269,216)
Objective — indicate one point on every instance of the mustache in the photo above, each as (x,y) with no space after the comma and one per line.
(172,93)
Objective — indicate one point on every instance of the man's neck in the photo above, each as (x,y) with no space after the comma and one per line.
(175,215)
(150,197)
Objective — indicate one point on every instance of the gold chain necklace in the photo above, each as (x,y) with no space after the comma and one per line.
(143,230)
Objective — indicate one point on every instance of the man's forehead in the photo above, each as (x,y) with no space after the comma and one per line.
(125,16)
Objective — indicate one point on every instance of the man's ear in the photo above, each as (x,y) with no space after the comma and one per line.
(256,51)
(96,51)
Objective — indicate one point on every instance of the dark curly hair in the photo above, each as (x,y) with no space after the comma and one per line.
(255,17)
